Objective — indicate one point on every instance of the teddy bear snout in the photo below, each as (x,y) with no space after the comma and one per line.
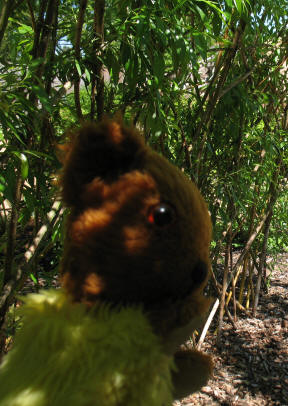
(199,272)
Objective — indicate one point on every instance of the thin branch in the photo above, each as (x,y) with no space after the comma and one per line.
(11,285)
(183,138)
(97,82)
(247,247)
(207,324)
(273,198)
(212,102)
(224,288)
(38,28)
(31,11)
(4,16)
(77,53)
(236,82)
(12,230)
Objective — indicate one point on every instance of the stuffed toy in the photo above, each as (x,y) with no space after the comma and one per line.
(134,267)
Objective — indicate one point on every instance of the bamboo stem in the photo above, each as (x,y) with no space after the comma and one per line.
(207,324)
(223,293)
(243,280)
(235,282)
(11,285)
(80,22)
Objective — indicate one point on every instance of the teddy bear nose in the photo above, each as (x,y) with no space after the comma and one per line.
(199,272)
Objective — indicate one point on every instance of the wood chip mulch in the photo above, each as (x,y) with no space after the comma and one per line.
(251,367)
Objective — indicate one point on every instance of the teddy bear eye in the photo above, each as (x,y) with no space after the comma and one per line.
(161,215)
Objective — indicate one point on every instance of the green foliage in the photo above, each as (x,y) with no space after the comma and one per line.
(206,81)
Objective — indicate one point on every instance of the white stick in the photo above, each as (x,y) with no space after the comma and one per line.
(207,324)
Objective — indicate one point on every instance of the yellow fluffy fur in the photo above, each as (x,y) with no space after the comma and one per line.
(65,355)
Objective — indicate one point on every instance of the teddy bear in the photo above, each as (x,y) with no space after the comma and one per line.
(134,268)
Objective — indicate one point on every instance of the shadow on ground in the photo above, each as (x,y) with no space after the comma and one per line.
(251,366)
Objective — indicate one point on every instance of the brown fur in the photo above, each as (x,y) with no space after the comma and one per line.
(112,182)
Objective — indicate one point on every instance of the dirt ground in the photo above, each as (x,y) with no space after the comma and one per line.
(252,366)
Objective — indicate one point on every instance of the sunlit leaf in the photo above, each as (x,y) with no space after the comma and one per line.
(2,183)
(78,67)
(33,278)
(87,74)
(42,96)
(24,163)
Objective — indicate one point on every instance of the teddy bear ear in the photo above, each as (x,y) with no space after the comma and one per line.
(105,150)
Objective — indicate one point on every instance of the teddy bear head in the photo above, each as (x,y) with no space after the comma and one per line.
(138,230)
